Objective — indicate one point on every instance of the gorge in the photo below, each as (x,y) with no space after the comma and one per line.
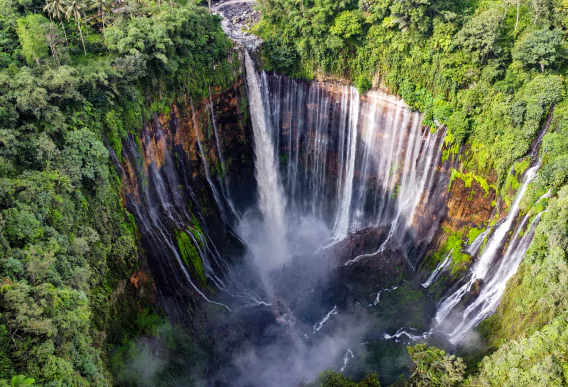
(315,220)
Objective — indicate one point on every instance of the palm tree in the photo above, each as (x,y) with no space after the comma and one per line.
(103,7)
(56,10)
(76,9)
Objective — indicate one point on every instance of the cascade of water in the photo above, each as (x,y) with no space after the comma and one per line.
(409,166)
(320,151)
(424,173)
(442,265)
(547,195)
(167,189)
(342,223)
(411,334)
(371,120)
(222,179)
(352,161)
(348,356)
(481,271)
(319,325)
(342,140)
(300,107)
(475,246)
(488,300)
(432,171)
(348,160)
(271,198)
(386,171)
(163,208)
(378,298)
(216,196)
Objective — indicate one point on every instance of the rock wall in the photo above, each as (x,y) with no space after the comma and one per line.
(185,199)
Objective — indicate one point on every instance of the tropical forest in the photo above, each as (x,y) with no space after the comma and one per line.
(266,193)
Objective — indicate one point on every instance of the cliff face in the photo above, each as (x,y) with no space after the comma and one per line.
(468,206)
(189,175)
(401,170)
(186,176)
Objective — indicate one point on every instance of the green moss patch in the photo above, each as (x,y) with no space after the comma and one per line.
(190,255)
(468,179)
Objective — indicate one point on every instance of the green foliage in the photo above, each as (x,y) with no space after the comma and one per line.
(538,360)
(512,182)
(451,60)
(67,252)
(480,36)
(540,47)
(363,84)
(537,293)
(433,367)
(468,179)
(458,125)
(31,33)
(473,233)
(190,255)
(555,150)
(453,246)
(180,51)
(334,379)
(337,379)
(348,24)
(527,331)
(22,381)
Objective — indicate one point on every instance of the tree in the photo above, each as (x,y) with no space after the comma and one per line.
(433,367)
(539,7)
(480,36)
(458,125)
(55,42)
(348,24)
(540,47)
(56,10)
(31,34)
(337,379)
(411,14)
(102,6)
(517,4)
(76,9)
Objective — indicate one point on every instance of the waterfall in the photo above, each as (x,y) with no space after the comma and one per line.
(342,224)
(440,268)
(159,208)
(488,300)
(475,246)
(494,274)
(272,201)
(352,161)
(216,196)
(222,179)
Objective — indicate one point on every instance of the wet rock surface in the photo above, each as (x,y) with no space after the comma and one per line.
(170,188)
